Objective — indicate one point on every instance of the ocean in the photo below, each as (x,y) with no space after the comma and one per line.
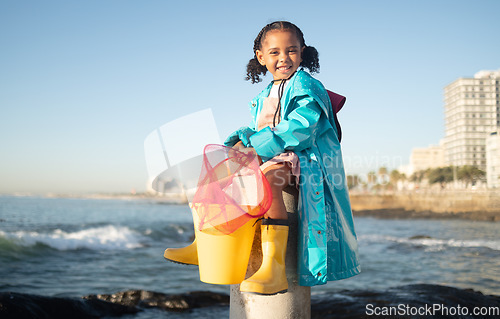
(69,247)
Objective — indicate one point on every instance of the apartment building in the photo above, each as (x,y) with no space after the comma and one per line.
(428,157)
(493,160)
(472,112)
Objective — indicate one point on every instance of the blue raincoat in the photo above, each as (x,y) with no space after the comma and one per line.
(327,244)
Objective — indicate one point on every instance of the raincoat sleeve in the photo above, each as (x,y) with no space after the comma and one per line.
(294,133)
(242,134)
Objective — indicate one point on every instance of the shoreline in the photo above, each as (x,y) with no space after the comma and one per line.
(464,205)
(401,213)
(458,204)
(347,304)
(174,199)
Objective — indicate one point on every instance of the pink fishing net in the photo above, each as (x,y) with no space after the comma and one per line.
(231,190)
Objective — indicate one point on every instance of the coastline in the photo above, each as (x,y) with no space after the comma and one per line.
(468,205)
(413,252)
(458,204)
(171,199)
(401,213)
(346,304)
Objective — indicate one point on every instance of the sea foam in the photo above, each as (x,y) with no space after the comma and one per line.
(98,238)
(434,242)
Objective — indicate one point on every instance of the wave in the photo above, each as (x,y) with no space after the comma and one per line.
(434,243)
(98,238)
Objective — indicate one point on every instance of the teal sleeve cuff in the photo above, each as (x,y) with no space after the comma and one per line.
(265,144)
(242,134)
(295,133)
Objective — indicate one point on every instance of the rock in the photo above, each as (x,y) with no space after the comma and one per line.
(172,302)
(19,306)
(346,304)
(351,304)
(401,213)
(420,237)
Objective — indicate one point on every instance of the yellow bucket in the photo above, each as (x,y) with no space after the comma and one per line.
(223,258)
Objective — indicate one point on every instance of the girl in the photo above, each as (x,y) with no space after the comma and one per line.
(293,132)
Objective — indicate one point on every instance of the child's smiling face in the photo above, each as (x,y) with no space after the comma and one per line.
(280,53)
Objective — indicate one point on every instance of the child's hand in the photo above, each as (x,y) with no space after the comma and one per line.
(239,146)
(247,150)
(251,151)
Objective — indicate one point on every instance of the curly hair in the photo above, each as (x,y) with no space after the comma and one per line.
(310,56)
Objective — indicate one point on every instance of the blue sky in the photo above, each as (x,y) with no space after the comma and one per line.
(82,83)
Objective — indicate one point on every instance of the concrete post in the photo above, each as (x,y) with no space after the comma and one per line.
(296,302)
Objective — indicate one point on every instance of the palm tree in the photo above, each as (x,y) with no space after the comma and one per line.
(372,178)
(470,174)
(395,176)
(352,181)
(441,175)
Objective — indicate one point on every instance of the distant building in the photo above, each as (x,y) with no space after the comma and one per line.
(493,160)
(424,158)
(472,112)
(405,169)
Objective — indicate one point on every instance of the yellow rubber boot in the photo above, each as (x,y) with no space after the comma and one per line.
(270,279)
(187,255)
